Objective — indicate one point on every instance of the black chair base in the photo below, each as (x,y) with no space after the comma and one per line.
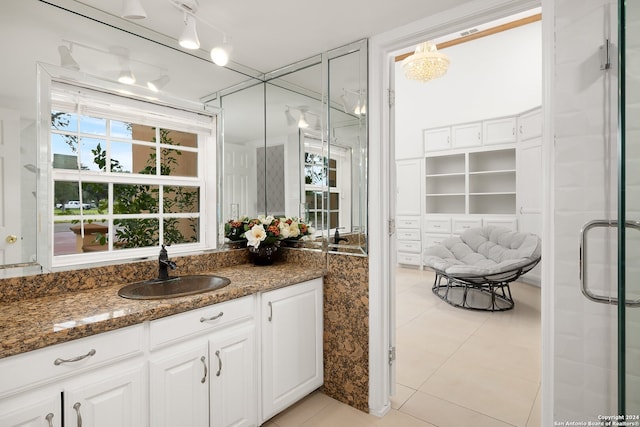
(472,296)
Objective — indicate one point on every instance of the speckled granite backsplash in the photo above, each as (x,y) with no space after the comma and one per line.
(18,288)
(346,330)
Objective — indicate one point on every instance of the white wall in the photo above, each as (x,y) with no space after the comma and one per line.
(493,76)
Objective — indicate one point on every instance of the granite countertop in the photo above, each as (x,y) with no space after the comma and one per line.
(30,324)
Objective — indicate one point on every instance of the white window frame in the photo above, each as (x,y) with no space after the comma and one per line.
(61,96)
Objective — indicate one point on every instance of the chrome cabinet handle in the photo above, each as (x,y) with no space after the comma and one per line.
(219,363)
(204,363)
(217,316)
(584,287)
(60,361)
(49,419)
(76,406)
(270,311)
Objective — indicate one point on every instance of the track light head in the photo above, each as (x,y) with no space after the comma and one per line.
(189,37)
(132,9)
(157,84)
(66,60)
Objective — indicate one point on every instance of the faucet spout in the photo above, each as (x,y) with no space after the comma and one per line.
(164,264)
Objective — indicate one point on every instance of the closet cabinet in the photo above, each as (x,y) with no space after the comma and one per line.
(292,365)
(408,207)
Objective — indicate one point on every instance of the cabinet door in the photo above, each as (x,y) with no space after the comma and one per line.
(469,135)
(530,125)
(292,365)
(437,139)
(234,398)
(106,398)
(408,193)
(500,131)
(32,410)
(179,386)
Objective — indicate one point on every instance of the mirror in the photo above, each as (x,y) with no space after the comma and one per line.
(46,34)
(288,153)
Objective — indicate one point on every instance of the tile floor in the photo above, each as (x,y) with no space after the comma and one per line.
(455,367)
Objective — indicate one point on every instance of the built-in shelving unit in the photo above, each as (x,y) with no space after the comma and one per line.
(473,182)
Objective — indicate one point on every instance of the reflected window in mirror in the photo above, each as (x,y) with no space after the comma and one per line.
(127,176)
(327,182)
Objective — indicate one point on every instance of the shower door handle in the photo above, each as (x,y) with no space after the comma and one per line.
(584,287)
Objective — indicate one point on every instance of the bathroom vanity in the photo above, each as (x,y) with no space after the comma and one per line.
(236,356)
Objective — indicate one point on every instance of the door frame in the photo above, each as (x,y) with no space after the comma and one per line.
(382,49)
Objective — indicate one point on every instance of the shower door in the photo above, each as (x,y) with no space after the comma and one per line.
(629,212)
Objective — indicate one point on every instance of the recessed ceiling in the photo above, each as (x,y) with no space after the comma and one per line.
(266,36)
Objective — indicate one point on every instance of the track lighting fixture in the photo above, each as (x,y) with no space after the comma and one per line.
(360,108)
(302,122)
(66,60)
(132,9)
(220,54)
(189,37)
(159,83)
(290,119)
(126,76)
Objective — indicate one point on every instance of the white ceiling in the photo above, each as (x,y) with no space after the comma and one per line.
(269,35)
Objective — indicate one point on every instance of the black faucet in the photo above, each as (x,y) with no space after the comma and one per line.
(337,239)
(164,264)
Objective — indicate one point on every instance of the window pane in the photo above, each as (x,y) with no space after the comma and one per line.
(333,218)
(65,151)
(64,121)
(181,230)
(135,199)
(93,125)
(121,130)
(93,154)
(64,240)
(68,237)
(332,178)
(65,191)
(315,175)
(143,159)
(179,199)
(179,163)
(334,201)
(121,157)
(95,198)
(174,137)
(143,133)
(136,233)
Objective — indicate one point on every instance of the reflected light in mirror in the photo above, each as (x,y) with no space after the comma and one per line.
(189,37)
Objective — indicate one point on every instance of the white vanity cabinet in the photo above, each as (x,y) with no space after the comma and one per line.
(203,367)
(179,385)
(96,381)
(292,366)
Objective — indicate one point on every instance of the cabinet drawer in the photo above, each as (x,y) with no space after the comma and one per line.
(407,222)
(181,326)
(408,235)
(433,239)
(438,225)
(408,246)
(510,223)
(411,259)
(460,225)
(60,360)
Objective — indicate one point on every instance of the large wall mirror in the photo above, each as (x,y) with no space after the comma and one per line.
(296,145)
(40,32)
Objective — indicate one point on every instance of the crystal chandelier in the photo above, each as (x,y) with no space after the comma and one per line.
(426,63)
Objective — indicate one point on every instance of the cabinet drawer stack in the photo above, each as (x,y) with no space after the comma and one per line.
(409,245)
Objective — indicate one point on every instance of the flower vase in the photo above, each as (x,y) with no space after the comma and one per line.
(237,244)
(263,254)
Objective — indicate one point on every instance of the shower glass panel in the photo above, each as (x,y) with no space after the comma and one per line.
(629,260)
